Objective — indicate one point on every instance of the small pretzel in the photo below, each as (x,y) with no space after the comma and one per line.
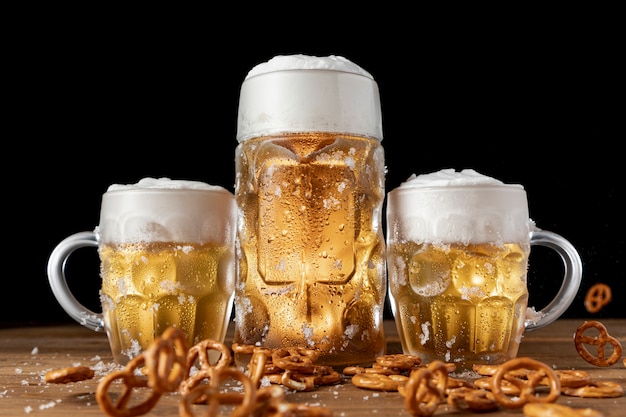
(425,389)
(597,297)
(166,360)
(295,359)
(558,410)
(595,389)
(245,402)
(486,383)
(526,386)
(472,399)
(131,380)
(603,338)
(200,353)
(571,378)
(399,361)
(379,382)
(72,374)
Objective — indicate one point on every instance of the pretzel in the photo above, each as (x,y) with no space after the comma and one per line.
(486,383)
(399,361)
(71,374)
(571,378)
(131,380)
(295,358)
(558,410)
(472,399)
(379,382)
(595,389)
(245,402)
(166,360)
(597,297)
(526,386)
(603,338)
(200,353)
(425,389)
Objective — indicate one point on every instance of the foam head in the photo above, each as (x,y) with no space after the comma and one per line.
(165,210)
(465,207)
(301,93)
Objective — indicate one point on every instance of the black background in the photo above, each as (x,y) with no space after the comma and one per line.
(101,101)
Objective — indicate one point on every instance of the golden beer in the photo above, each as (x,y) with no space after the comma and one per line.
(459,303)
(312,261)
(167,258)
(148,287)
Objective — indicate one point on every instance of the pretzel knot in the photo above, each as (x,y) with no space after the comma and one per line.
(131,381)
(200,353)
(425,389)
(212,394)
(166,360)
(526,385)
(597,297)
(295,359)
(601,340)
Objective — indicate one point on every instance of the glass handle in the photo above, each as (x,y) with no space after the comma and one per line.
(571,279)
(58,283)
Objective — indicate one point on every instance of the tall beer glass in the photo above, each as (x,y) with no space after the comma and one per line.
(458,248)
(167,259)
(309,187)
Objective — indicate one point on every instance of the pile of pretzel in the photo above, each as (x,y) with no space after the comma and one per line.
(518,383)
(168,366)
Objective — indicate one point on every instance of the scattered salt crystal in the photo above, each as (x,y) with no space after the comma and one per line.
(48,405)
(34,351)
(28,409)
(19,371)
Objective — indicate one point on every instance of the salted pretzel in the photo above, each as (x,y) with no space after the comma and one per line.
(595,389)
(71,374)
(166,360)
(570,378)
(508,388)
(472,399)
(295,358)
(601,340)
(379,382)
(132,379)
(527,385)
(399,361)
(597,297)
(211,394)
(425,389)
(558,410)
(199,354)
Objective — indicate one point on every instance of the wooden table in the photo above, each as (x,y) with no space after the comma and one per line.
(27,353)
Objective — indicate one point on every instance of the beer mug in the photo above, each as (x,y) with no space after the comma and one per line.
(458,247)
(310,187)
(167,258)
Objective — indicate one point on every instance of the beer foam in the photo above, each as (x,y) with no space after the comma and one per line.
(306,62)
(302,93)
(466,207)
(165,183)
(166,210)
